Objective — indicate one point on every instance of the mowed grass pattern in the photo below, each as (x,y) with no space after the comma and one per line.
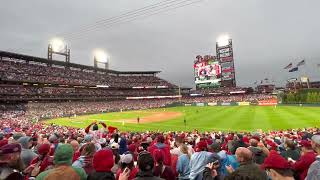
(225,118)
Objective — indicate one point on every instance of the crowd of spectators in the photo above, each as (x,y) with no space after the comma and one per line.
(38,73)
(37,92)
(31,150)
(45,110)
(228,98)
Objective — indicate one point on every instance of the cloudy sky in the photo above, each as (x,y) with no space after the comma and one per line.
(267,34)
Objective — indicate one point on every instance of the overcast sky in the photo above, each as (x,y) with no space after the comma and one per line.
(267,34)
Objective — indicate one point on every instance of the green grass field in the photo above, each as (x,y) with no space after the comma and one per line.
(225,118)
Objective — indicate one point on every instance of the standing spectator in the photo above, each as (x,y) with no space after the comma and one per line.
(85,160)
(63,169)
(77,153)
(237,142)
(199,160)
(163,147)
(308,156)
(291,150)
(226,160)
(247,168)
(277,167)
(123,145)
(27,155)
(43,162)
(102,163)
(259,152)
(127,161)
(179,141)
(115,151)
(183,167)
(211,171)
(9,162)
(314,170)
(146,164)
(161,170)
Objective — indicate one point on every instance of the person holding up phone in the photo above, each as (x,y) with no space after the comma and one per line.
(211,171)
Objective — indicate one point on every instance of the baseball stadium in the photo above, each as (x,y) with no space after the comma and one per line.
(64,119)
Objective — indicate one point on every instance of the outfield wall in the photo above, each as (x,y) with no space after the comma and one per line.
(243,103)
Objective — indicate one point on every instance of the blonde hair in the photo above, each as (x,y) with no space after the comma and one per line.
(184,150)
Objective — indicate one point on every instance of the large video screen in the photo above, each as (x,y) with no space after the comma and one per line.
(207,72)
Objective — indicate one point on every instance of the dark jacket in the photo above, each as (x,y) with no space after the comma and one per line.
(8,173)
(146,176)
(101,176)
(258,154)
(302,165)
(237,144)
(165,172)
(248,171)
(291,153)
(207,175)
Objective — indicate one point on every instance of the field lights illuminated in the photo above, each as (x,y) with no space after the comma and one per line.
(100,56)
(57,44)
(223,40)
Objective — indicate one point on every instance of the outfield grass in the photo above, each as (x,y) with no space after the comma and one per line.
(225,118)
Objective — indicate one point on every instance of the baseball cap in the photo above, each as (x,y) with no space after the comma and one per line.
(114,146)
(275,161)
(126,158)
(316,139)
(305,143)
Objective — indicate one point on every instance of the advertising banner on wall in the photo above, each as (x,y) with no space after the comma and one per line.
(269,102)
(212,104)
(225,104)
(244,103)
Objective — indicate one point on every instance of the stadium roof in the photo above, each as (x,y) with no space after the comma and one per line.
(11,55)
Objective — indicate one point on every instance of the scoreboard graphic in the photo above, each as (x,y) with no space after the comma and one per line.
(215,71)
(207,72)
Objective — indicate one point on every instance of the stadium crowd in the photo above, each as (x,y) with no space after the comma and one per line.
(31,150)
(45,110)
(69,92)
(37,73)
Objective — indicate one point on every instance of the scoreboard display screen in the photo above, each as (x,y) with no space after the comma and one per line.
(207,72)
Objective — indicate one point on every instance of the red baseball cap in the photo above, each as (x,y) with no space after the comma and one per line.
(275,161)
(306,143)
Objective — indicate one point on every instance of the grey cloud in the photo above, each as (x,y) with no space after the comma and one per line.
(267,35)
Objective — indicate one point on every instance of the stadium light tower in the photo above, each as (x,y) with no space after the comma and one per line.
(223,40)
(59,47)
(100,56)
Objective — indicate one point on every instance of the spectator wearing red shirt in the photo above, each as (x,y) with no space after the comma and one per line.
(308,156)
(75,146)
(163,147)
(43,161)
(161,170)
(277,167)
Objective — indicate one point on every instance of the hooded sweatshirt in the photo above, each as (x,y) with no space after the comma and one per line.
(227,160)
(27,155)
(166,150)
(197,164)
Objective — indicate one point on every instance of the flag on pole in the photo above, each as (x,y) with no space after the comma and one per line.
(303,62)
(294,69)
(288,66)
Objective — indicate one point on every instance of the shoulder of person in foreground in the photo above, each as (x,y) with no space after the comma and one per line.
(81,172)
(43,174)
